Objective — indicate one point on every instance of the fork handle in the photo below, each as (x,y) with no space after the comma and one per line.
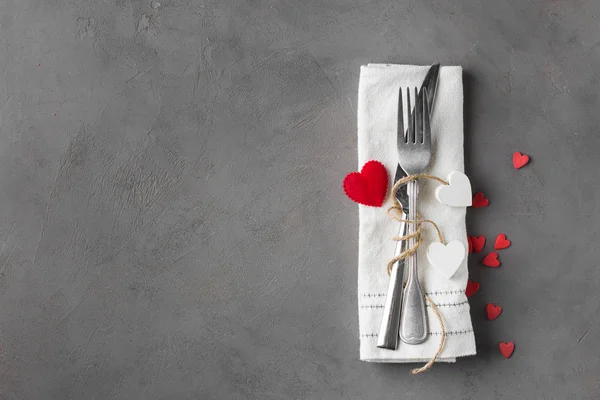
(390,321)
(413,321)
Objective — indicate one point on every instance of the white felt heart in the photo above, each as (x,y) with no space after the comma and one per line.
(446,258)
(457,193)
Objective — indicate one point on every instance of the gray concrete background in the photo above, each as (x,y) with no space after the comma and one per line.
(171,219)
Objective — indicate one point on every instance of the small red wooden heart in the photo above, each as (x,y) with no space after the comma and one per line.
(501,242)
(472,288)
(479,200)
(369,186)
(491,260)
(506,349)
(520,159)
(478,243)
(470,244)
(492,311)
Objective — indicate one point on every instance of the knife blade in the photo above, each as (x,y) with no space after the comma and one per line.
(390,321)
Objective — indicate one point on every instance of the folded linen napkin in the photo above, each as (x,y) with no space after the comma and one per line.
(377,111)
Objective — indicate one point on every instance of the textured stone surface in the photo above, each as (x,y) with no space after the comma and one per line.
(171,219)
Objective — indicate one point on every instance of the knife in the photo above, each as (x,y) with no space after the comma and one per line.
(390,321)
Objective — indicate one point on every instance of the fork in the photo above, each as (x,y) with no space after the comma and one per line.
(415,154)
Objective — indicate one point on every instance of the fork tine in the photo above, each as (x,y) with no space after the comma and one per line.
(409,119)
(426,120)
(418,117)
(413,119)
(400,131)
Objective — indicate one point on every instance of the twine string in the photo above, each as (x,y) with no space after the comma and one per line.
(397,212)
(429,364)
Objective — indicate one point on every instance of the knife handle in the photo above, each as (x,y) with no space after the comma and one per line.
(390,321)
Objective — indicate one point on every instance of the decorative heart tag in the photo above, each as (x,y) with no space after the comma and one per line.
(457,193)
(492,311)
(446,258)
(478,243)
(501,242)
(369,186)
(479,200)
(470,242)
(506,349)
(491,260)
(472,288)
(520,159)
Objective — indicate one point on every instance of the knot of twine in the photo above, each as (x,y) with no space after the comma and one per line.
(396,212)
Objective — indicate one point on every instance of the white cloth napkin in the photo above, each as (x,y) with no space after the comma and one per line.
(377,113)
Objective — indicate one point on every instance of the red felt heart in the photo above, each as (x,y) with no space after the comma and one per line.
(478,243)
(501,242)
(520,159)
(470,244)
(491,260)
(369,186)
(472,288)
(479,200)
(506,349)
(492,311)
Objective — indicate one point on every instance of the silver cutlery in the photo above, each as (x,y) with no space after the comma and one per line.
(390,321)
(415,154)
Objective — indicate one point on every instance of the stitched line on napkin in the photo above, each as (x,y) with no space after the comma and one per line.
(445,292)
(437,292)
(451,304)
(452,332)
(369,335)
(427,305)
